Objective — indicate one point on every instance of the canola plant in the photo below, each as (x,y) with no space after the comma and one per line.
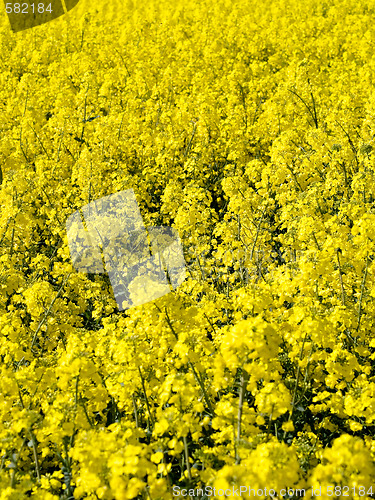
(248,127)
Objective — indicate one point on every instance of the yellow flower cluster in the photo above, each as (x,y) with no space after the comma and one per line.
(249,127)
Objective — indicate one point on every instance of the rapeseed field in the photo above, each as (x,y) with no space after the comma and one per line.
(249,128)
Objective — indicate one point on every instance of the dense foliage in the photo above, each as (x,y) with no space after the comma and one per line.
(249,127)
